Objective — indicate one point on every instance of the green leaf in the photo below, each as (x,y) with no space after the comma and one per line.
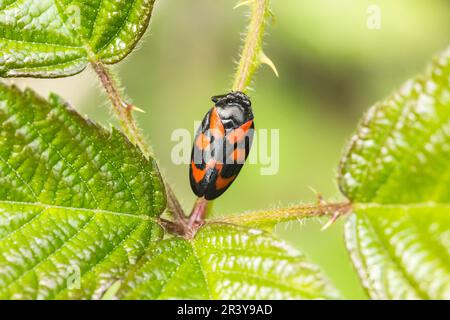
(77,203)
(56,38)
(225,262)
(402,252)
(397,174)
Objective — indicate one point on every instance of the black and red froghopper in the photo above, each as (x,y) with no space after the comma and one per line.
(221,145)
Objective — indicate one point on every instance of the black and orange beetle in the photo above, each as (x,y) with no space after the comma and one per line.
(221,145)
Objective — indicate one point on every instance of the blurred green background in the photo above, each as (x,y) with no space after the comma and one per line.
(332,68)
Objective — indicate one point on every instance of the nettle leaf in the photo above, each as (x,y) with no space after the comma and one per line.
(77,202)
(397,174)
(55,38)
(225,262)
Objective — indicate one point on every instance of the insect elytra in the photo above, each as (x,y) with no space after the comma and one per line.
(221,144)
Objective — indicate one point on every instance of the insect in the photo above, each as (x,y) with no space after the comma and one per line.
(221,145)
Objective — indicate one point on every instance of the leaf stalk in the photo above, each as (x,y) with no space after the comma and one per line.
(272,217)
(122,109)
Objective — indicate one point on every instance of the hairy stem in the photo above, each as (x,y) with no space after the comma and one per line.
(122,109)
(250,56)
(272,217)
(175,206)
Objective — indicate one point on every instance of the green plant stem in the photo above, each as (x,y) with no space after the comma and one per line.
(122,109)
(334,210)
(250,56)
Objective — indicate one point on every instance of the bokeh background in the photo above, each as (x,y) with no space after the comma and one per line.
(332,68)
